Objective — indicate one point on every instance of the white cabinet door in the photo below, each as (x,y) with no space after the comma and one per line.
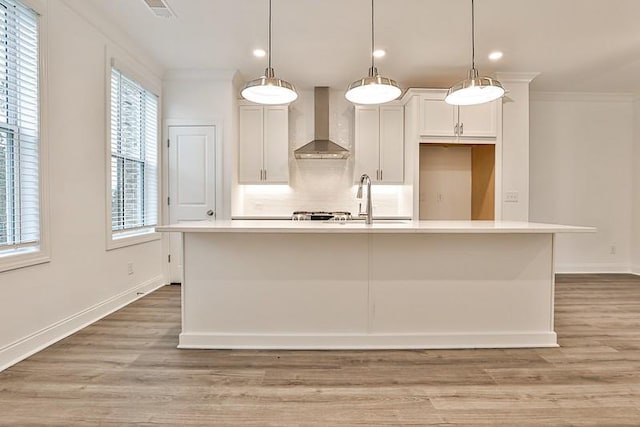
(437,118)
(392,144)
(367,142)
(250,144)
(276,144)
(478,120)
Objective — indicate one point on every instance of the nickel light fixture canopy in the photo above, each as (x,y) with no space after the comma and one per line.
(474,89)
(268,89)
(373,89)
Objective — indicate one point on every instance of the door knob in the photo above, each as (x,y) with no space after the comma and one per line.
(210,212)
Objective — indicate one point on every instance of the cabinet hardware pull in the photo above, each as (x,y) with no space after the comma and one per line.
(265,174)
(461,128)
(380,174)
(455,129)
(260,174)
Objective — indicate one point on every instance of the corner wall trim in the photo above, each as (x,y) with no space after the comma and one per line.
(31,344)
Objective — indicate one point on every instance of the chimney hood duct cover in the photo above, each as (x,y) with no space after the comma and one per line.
(321,147)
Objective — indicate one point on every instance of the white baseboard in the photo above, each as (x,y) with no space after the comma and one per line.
(591,268)
(337,341)
(25,347)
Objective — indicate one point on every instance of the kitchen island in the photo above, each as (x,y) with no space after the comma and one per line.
(349,285)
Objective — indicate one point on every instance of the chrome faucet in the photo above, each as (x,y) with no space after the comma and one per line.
(368,214)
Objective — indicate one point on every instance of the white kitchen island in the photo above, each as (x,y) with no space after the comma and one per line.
(403,284)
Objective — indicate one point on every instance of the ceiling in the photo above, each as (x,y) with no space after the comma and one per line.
(576,45)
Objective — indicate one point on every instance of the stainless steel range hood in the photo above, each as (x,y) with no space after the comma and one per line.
(321,147)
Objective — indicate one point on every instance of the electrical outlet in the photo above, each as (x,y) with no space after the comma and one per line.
(130,268)
(613,250)
(440,197)
(511,196)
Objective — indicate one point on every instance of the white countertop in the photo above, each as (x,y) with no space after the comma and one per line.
(380,226)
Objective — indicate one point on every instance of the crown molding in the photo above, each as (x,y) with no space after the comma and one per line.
(582,97)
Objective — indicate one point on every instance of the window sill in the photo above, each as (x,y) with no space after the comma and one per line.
(124,239)
(19,258)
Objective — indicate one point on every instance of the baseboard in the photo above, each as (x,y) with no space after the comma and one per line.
(591,268)
(367,341)
(25,347)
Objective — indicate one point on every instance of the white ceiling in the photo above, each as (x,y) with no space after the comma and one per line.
(576,45)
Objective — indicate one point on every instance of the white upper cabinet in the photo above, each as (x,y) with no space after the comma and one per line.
(478,121)
(379,144)
(439,119)
(263,152)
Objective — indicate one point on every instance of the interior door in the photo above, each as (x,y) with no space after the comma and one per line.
(192,187)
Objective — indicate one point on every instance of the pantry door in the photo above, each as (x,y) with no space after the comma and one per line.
(192,184)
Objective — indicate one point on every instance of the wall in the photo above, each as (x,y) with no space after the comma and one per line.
(635,258)
(515,146)
(205,97)
(83,281)
(581,173)
(319,184)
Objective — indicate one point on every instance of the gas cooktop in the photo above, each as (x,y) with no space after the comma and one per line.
(321,216)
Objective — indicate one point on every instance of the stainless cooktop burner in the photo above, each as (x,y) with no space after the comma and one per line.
(321,216)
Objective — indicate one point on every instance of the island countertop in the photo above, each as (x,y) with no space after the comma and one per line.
(381,226)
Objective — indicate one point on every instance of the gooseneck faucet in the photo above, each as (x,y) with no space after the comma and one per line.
(368,214)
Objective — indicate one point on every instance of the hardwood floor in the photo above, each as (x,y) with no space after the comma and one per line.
(125,369)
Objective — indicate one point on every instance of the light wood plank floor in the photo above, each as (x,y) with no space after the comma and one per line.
(125,369)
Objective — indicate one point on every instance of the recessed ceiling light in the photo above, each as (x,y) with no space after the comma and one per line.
(259,53)
(379,53)
(494,56)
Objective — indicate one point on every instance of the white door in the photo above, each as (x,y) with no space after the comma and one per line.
(192,189)
(436,118)
(276,144)
(478,120)
(251,136)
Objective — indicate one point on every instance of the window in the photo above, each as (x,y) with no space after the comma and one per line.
(134,160)
(20,222)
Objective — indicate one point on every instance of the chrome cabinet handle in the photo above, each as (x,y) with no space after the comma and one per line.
(210,212)
(265,174)
(455,129)
(461,128)
(380,174)
(261,175)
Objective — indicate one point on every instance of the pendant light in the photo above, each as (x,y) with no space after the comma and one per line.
(474,89)
(373,89)
(268,89)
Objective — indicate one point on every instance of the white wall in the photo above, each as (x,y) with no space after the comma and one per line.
(635,255)
(581,173)
(515,145)
(83,280)
(319,184)
(204,97)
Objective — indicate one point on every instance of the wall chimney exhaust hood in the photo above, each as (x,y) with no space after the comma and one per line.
(321,147)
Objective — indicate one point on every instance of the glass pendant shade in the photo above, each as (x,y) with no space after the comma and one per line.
(373,89)
(474,90)
(269,90)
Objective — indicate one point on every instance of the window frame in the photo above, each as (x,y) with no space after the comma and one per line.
(25,255)
(119,239)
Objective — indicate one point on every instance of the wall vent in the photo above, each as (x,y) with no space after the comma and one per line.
(160,8)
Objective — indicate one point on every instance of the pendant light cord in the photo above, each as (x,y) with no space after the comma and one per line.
(372,38)
(473,37)
(269,34)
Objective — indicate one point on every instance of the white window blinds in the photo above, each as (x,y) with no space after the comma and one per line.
(19,126)
(134,154)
